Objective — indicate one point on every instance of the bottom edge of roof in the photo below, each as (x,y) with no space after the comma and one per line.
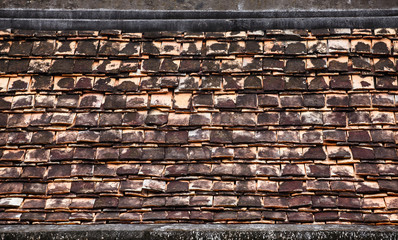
(198,231)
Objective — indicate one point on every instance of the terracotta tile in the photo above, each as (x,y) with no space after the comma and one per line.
(214,47)
(170,48)
(19,83)
(381,46)
(161,100)
(65,47)
(136,101)
(361,45)
(338,45)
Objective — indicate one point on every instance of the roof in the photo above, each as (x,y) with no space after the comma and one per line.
(281,126)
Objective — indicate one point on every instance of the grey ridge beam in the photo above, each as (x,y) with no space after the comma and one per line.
(160,20)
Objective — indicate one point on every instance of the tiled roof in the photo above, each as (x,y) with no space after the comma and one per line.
(263,126)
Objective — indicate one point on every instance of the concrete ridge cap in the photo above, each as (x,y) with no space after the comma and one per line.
(147,10)
(209,20)
(188,14)
(203,21)
(199,227)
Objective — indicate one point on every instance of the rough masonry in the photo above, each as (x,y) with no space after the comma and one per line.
(274,126)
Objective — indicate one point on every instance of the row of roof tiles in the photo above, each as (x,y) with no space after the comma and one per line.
(328,171)
(198,216)
(217,135)
(197,153)
(186,101)
(191,83)
(238,120)
(219,201)
(126,48)
(182,68)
